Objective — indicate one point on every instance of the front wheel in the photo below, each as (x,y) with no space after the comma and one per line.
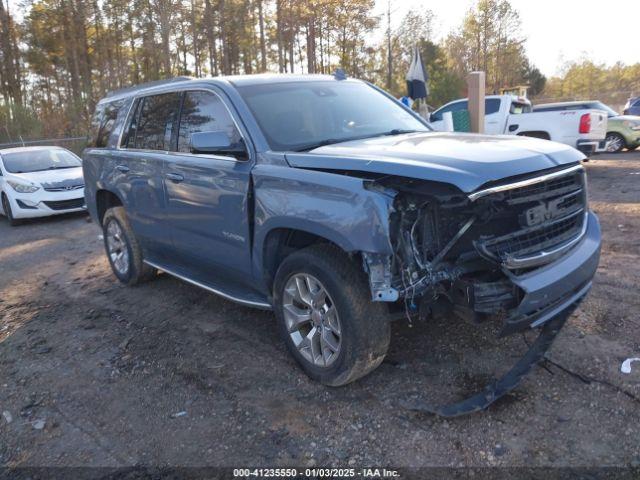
(123,251)
(615,142)
(6,206)
(326,316)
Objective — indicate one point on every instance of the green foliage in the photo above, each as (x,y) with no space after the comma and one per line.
(17,121)
(66,54)
(489,40)
(585,80)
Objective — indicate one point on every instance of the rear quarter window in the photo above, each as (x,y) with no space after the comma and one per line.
(103,122)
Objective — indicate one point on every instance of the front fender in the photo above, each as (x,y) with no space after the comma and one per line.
(333,206)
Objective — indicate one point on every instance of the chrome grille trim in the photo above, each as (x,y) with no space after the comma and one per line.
(544,242)
(63,189)
(523,183)
(546,256)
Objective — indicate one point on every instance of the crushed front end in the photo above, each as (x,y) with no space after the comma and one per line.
(522,252)
(517,250)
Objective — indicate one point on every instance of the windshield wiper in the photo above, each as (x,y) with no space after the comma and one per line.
(323,143)
(398,131)
(330,141)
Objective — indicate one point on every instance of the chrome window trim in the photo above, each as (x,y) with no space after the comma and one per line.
(182,91)
(241,301)
(125,124)
(524,183)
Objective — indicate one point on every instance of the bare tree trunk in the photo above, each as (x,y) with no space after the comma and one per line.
(311,45)
(279,22)
(226,70)
(194,34)
(263,46)
(211,40)
(165,13)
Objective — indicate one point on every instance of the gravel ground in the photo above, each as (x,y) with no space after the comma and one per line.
(93,373)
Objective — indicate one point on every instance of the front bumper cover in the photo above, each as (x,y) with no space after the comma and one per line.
(552,293)
(550,289)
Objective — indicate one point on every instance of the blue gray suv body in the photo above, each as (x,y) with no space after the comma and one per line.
(329,202)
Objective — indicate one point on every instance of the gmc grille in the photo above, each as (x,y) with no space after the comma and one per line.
(543,220)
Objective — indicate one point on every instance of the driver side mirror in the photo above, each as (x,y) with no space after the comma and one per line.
(217,143)
(432,117)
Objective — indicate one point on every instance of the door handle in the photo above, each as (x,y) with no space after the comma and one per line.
(175,177)
(123,168)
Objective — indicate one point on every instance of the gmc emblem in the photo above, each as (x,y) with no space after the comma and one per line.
(543,212)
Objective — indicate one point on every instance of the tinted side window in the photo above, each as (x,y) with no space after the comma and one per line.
(204,112)
(491,105)
(102,123)
(454,107)
(517,108)
(155,122)
(129,134)
(637,104)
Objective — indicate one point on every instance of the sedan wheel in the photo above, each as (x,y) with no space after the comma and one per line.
(615,143)
(6,206)
(312,319)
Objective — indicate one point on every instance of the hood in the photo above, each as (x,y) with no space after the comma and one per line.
(60,177)
(623,118)
(467,161)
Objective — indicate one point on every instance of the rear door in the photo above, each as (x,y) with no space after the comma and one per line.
(208,195)
(493,118)
(150,132)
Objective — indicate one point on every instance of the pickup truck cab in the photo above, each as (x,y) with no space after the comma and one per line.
(583,129)
(329,202)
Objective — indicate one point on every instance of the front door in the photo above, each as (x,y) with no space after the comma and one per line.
(208,196)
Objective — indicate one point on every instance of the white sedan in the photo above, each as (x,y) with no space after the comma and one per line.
(39,182)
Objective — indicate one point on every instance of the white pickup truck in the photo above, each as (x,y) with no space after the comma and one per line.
(507,114)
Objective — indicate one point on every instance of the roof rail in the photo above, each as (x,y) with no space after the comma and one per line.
(142,86)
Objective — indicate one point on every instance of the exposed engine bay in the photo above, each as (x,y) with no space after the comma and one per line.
(461,252)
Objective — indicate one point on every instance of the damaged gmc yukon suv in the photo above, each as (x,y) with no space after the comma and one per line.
(326,200)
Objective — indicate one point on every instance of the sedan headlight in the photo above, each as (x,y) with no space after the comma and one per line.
(22,188)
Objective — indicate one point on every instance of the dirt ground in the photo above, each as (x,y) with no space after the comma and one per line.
(93,373)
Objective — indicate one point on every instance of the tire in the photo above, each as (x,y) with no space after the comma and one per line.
(363,324)
(617,142)
(6,206)
(124,254)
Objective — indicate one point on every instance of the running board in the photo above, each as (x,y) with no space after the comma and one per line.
(254,302)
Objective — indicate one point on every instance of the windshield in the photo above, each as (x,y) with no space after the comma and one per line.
(39,160)
(303,115)
(601,106)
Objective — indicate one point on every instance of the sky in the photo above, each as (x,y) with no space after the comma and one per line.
(556,31)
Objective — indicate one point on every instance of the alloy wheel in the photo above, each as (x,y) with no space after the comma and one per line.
(117,248)
(614,143)
(312,319)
